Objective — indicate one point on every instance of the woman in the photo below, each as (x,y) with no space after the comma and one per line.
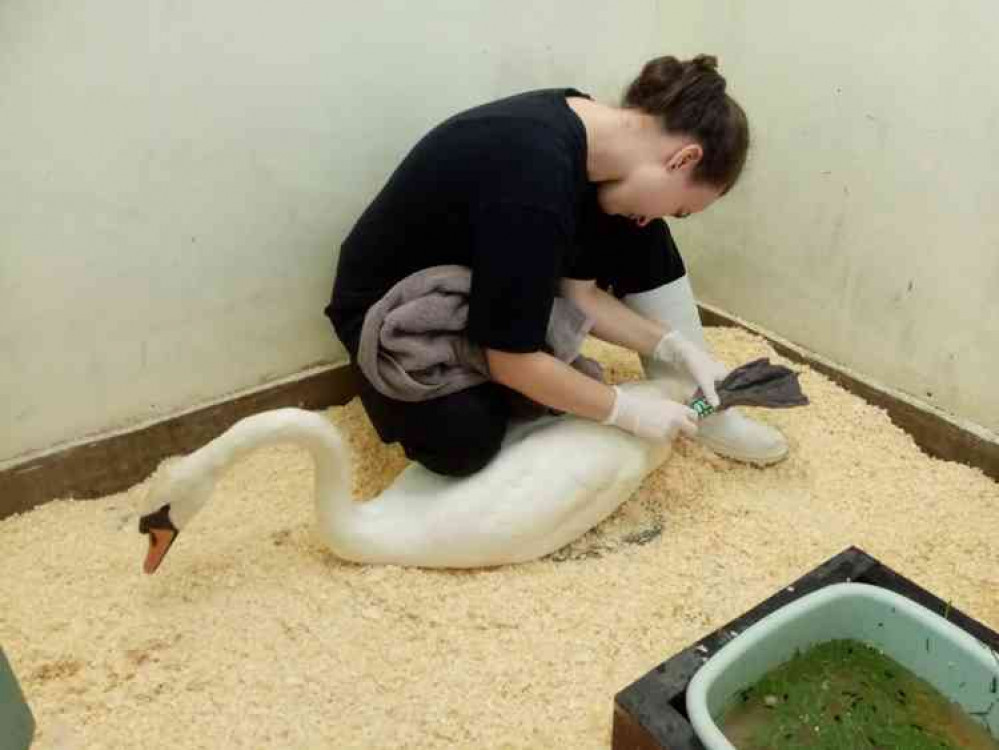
(550,193)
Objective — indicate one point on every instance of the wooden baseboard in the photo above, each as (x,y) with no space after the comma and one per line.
(113,464)
(937,436)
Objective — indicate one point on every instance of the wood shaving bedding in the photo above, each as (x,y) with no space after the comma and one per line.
(253,635)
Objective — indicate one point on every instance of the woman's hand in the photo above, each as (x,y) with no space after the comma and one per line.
(674,349)
(646,412)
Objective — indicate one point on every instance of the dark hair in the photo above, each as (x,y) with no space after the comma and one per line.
(689,98)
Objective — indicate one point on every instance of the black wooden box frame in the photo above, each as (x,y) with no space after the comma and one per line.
(651,713)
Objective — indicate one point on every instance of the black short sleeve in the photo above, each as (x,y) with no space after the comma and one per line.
(618,253)
(517,254)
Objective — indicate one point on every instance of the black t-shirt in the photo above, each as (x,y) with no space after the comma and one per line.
(501,189)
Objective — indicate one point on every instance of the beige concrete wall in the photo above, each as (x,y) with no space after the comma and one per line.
(176,177)
(866,228)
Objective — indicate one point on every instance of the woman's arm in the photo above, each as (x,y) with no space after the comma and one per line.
(614,322)
(545,379)
(549,381)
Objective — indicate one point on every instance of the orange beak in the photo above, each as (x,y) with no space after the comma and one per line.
(160,541)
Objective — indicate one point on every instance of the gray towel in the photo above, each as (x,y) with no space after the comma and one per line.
(757,383)
(413,344)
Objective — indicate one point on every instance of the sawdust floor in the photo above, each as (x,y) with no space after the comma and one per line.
(253,635)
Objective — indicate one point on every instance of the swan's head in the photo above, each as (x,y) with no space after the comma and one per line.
(179,489)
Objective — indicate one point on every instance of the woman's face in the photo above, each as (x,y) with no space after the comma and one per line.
(658,188)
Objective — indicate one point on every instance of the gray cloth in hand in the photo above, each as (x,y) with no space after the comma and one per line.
(414,345)
(757,383)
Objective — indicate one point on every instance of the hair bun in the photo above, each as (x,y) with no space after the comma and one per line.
(704,62)
(664,80)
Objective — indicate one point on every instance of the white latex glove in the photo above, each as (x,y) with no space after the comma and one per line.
(649,414)
(674,349)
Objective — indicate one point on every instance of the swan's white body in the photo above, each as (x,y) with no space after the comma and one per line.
(554,479)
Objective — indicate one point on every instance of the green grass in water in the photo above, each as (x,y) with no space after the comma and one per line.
(845,695)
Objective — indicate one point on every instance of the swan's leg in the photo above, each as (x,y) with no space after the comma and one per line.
(162,534)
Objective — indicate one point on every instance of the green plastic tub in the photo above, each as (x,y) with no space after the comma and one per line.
(958,665)
(17,726)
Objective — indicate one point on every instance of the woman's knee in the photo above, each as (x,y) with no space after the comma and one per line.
(458,460)
(466,433)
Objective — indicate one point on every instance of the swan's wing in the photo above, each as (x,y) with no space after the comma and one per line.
(550,483)
(417,484)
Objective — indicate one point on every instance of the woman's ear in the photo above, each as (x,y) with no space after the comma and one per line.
(686,158)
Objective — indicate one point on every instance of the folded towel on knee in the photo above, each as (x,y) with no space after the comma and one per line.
(414,346)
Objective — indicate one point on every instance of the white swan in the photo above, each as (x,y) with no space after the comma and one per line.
(554,479)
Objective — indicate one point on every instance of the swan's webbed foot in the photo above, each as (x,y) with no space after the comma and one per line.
(162,534)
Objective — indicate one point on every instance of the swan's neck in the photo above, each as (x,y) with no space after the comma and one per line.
(303,428)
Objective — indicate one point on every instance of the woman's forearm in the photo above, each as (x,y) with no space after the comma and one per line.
(549,381)
(614,322)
